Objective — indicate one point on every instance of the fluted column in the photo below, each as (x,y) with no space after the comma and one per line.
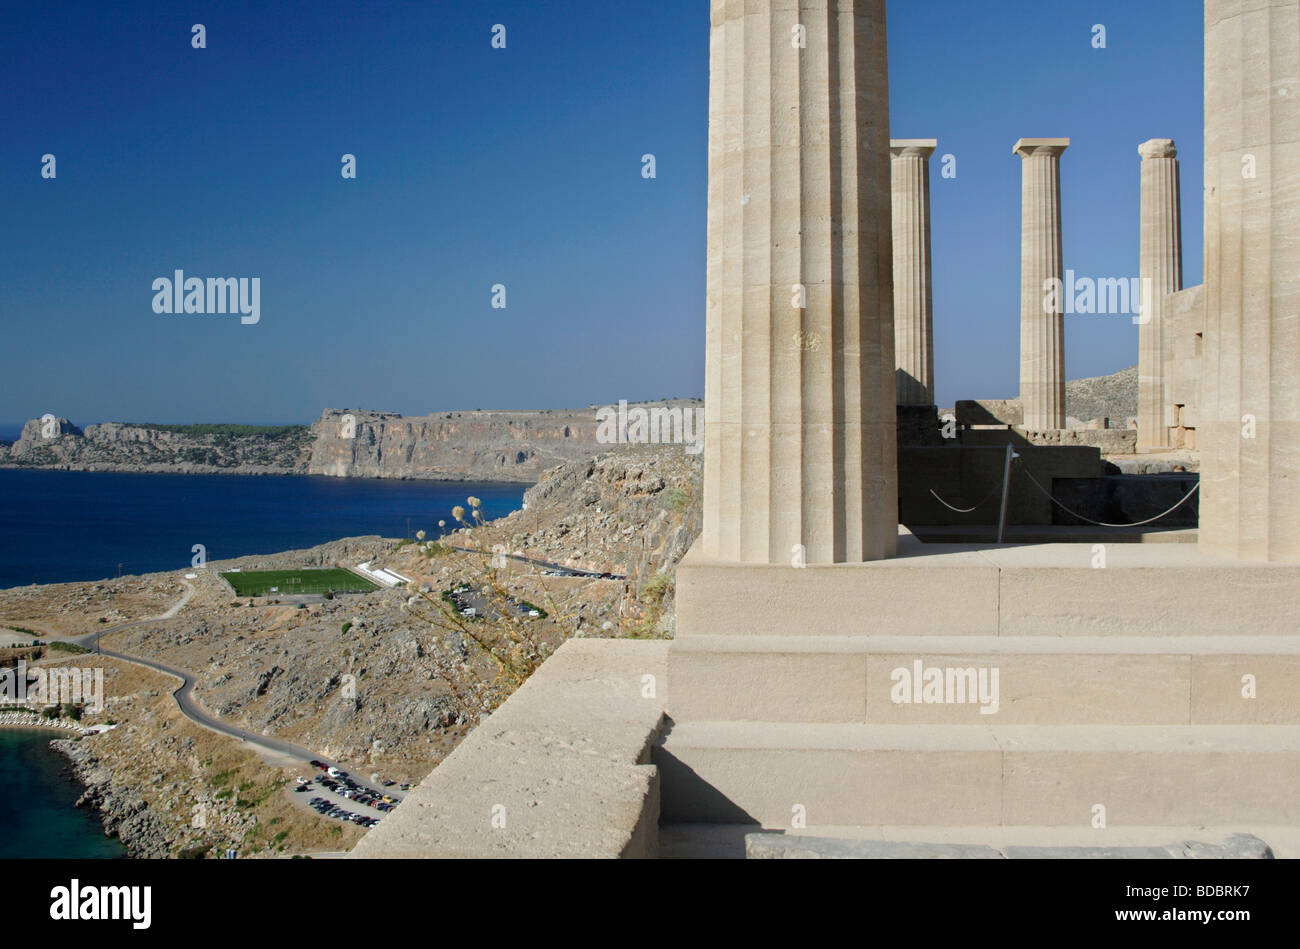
(913,294)
(1250,385)
(1161,270)
(1042,311)
(799,368)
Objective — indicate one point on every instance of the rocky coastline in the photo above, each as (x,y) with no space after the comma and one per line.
(123,811)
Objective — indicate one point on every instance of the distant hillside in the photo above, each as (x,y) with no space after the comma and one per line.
(190,449)
(479,446)
(1114,396)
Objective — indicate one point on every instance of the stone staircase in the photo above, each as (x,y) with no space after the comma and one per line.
(1054,695)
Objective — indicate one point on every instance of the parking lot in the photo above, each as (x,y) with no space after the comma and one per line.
(336,794)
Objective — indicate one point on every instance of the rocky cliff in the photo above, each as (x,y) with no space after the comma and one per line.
(450,446)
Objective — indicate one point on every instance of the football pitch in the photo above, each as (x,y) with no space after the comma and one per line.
(289,582)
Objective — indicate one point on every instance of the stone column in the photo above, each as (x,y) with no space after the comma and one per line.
(800,452)
(1042,303)
(913,294)
(1161,270)
(1250,421)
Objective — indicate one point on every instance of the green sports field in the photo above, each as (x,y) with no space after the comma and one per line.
(289,582)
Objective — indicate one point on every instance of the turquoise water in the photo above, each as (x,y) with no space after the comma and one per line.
(60,526)
(37,817)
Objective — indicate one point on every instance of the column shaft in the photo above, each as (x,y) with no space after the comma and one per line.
(1250,453)
(1161,272)
(1042,309)
(799,370)
(913,293)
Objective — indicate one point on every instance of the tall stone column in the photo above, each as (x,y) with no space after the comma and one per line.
(800,456)
(1042,311)
(1250,421)
(1161,270)
(913,294)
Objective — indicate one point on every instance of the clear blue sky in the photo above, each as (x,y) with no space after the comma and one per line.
(518,166)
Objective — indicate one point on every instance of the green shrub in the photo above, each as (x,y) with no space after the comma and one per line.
(67,647)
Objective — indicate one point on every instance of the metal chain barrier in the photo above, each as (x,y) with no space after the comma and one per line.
(966,510)
(1149,520)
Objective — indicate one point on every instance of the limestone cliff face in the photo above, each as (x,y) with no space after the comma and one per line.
(452,446)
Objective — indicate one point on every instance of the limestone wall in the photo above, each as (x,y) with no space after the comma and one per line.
(1184,313)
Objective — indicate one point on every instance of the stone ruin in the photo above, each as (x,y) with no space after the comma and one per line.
(832,675)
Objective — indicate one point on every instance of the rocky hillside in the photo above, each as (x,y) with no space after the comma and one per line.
(1114,396)
(166,787)
(191,449)
(633,512)
(381,681)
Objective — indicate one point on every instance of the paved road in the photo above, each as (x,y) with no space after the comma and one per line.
(189,705)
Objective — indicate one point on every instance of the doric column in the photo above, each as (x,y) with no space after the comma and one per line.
(1161,272)
(1250,384)
(1042,303)
(799,365)
(913,295)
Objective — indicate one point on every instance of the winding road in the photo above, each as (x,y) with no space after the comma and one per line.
(189,704)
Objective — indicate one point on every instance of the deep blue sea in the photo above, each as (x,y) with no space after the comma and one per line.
(58,526)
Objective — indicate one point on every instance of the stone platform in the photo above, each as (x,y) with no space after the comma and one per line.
(561,769)
(1059,686)
(1118,687)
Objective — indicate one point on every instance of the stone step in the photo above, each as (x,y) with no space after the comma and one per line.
(991,590)
(956,775)
(1135,680)
(731,841)
(776,846)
